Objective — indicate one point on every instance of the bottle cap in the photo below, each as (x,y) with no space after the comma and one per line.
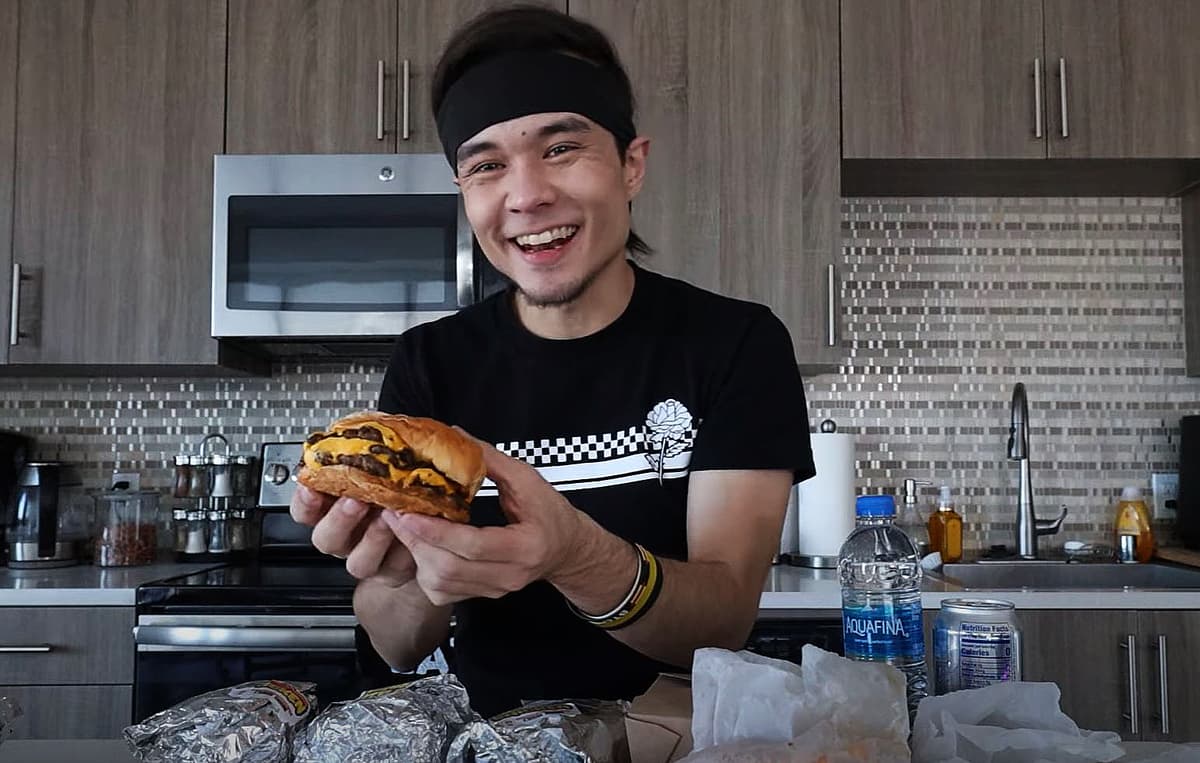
(875,506)
(1131,493)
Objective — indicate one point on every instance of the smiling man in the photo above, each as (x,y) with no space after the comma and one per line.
(640,435)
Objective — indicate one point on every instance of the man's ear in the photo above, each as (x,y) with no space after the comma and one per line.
(635,165)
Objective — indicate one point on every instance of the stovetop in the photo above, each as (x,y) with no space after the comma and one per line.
(316,587)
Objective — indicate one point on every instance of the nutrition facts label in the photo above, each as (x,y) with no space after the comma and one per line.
(986,654)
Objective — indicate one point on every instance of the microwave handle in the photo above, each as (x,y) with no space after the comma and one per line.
(464,265)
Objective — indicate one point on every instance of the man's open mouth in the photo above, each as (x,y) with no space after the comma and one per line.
(547,239)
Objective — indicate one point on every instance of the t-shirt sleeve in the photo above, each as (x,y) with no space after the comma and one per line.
(405,387)
(758,418)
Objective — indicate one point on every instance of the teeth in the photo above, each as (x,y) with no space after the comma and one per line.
(545,237)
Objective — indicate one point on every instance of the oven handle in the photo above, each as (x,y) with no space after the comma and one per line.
(176,638)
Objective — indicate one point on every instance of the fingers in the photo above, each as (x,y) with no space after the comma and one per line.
(366,557)
(339,530)
(501,468)
(308,506)
(465,541)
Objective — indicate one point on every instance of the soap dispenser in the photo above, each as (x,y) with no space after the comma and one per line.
(910,520)
(1134,536)
(946,528)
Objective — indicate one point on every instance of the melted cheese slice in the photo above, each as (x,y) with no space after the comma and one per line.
(353,446)
(427,477)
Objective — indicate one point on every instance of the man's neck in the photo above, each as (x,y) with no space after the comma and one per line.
(598,306)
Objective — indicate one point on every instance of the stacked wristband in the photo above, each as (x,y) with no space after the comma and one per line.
(641,596)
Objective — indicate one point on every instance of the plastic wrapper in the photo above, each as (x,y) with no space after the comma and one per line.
(409,723)
(254,722)
(577,731)
(9,712)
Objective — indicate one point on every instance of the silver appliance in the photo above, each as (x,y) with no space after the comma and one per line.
(339,247)
(49,517)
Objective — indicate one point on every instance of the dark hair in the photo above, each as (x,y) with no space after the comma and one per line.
(531,27)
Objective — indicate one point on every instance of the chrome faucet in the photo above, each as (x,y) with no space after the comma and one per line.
(1029,527)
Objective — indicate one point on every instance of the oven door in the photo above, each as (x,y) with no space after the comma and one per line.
(180,656)
(337,246)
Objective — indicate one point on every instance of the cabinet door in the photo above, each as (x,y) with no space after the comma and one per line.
(424,28)
(8,124)
(1132,78)
(941,79)
(118,116)
(304,77)
(1084,652)
(740,101)
(1170,642)
(71,712)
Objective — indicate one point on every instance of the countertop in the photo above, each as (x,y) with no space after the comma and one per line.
(787,588)
(83,585)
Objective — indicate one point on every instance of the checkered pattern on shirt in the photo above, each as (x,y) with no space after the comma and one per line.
(576,450)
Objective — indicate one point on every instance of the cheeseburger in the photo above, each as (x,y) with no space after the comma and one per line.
(403,463)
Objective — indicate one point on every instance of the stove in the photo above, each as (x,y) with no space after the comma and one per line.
(318,587)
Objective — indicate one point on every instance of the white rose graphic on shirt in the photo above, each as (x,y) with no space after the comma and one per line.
(667,425)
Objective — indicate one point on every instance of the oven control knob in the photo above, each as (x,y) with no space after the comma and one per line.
(278,473)
(387,174)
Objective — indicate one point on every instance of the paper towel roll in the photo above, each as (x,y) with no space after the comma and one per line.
(825,503)
(789,538)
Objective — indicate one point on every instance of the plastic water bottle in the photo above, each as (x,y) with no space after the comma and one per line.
(880,572)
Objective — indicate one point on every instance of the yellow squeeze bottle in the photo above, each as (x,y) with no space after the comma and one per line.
(946,528)
(1134,535)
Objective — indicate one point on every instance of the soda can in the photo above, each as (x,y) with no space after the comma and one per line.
(976,643)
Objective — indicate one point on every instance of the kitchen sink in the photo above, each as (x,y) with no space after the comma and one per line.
(1062,575)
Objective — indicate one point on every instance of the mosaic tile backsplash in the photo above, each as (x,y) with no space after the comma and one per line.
(946,302)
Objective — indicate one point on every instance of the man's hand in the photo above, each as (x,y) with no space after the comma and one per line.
(354,531)
(542,540)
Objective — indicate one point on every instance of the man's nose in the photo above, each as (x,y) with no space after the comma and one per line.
(529,187)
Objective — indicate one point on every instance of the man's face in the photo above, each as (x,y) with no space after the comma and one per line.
(548,198)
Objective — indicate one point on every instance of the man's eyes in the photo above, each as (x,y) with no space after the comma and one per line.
(559,149)
(483,167)
(556,150)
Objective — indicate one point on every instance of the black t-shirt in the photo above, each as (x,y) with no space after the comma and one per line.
(684,380)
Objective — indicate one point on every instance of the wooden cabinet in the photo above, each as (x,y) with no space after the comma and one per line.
(311,77)
(1020,79)
(119,112)
(740,101)
(81,686)
(8,126)
(1132,78)
(1169,673)
(941,79)
(337,76)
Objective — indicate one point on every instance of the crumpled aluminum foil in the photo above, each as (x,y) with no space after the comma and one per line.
(576,731)
(408,723)
(254,722)
(9,712)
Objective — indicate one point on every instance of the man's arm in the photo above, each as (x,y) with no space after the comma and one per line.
(711,599)
(733,523)
(404,626)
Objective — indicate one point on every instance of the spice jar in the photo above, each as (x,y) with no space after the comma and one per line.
(183,476)
(243,475)
(239,530)
(221,481)
(197,540)
(198,486)
(179,523)
(218,527)
(126,528)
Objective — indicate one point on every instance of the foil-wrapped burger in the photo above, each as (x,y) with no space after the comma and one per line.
(408,723)
(577,731)
(254,722)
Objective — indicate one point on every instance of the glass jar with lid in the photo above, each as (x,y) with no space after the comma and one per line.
(198,484)
(183,476)
(243,476)
(197,536)
(221,481)
(179,525)
(126,528)
(218,526)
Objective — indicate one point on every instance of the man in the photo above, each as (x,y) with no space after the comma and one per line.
(646,433)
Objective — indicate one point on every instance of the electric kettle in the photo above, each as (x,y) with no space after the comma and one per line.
(49,517)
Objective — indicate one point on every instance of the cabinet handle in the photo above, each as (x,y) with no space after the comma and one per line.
(1163,697)
(404,103)
(1130,647)
(14,310)
(1037,97)
(1062,93)
(379,77)
(43,648)
(831,297)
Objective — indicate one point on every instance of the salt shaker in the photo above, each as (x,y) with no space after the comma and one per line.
(197,543)
(222,483)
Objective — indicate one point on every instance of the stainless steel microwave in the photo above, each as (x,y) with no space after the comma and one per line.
(339,247)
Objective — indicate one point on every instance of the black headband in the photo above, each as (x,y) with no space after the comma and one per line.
(527,82)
